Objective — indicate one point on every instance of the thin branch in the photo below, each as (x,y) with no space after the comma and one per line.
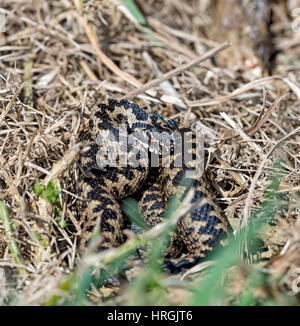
(246,213)
(108,62)
(178,70)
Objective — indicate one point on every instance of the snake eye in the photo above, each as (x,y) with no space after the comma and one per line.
(160,122)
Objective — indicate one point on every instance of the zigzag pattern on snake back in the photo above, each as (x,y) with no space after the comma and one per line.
(104,185)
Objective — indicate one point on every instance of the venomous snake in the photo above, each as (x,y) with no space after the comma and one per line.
(104,185)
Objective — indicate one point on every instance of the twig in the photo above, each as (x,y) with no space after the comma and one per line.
(108,63)
(246,213)
(241,132)
(177,71)
(264,116)
(239,91)
(11,102)
(59,167)
(45,207)
(244,89)
(261,119)
(28,93)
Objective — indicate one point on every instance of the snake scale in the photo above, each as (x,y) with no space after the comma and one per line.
(103,185)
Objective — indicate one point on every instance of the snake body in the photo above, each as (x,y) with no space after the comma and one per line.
(103,185)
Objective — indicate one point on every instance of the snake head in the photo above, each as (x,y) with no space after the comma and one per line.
(130,123)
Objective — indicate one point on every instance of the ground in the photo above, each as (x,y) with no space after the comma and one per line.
(59,58)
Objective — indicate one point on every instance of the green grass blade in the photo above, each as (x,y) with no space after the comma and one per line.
(13,247)
(211,291)
(134,10)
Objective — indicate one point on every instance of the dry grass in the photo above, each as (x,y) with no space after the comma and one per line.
(57,59)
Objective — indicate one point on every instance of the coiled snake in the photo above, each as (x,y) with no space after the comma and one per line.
(121,127)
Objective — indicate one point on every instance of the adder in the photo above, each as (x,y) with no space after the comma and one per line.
(120,128)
